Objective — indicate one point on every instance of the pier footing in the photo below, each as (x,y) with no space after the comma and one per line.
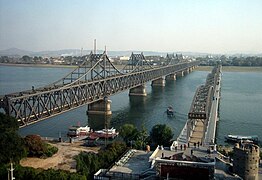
(138,91)
(171,77)
(159,82)
(102,107)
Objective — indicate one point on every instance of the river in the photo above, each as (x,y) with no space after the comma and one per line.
(240,107)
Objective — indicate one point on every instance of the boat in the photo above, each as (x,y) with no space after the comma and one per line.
(170,111)
(240,138)
(106,133)
(75,131)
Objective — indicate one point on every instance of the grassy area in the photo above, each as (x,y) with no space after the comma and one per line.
(232,68)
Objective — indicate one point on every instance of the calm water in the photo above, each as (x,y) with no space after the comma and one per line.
(241,103)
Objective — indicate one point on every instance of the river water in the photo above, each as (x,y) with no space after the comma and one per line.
(240,107)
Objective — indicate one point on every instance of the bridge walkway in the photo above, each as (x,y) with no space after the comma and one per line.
(211,128)
(198,131)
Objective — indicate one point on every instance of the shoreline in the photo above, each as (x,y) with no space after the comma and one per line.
(232,68)
(198,68)
(39,65)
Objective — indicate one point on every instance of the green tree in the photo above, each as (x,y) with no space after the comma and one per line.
(11,144)
(128,132)
(142,138)
(27,59)
(161,134)
(89,163)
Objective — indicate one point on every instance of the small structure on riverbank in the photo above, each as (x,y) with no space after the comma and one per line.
(246,160)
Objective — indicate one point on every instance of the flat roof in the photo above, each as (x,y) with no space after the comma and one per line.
(200,154)
(136,164)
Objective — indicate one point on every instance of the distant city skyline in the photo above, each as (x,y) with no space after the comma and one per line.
(206,26)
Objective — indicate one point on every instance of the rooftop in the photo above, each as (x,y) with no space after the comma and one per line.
(135,163)
(189,154)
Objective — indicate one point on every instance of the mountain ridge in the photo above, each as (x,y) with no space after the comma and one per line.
(77,52)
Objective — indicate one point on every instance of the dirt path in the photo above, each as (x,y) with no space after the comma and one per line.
(63,159)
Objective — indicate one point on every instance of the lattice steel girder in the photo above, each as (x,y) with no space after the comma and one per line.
(30,108)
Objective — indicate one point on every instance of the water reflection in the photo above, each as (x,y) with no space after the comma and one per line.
(97,122)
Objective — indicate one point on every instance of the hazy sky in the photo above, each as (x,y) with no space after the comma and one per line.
(213,26)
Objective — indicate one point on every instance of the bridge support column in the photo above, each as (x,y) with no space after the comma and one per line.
(187,71)
(159,82)
(102,107)
(180,73)
(171,77)
(138,91)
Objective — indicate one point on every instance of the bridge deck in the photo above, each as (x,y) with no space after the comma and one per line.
(198,131)
(211,128)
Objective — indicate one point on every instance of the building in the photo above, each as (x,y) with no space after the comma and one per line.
(246,160)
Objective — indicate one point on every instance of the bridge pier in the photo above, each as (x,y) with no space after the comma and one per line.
(138,91)
(187,71)
(180,73)
(171,77)
(101,107)
(159,82)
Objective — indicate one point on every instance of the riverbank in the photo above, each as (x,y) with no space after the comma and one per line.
(232,68)
(64,159)
(39,65)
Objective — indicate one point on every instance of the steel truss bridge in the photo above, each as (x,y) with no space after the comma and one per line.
(95,79)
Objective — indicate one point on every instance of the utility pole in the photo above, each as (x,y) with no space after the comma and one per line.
(95,46)
(11,177)
(106,128)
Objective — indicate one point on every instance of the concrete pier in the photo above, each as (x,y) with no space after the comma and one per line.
(102,107)
(171,77)
(187,71)
(180,73)
(159,82)
(138,91)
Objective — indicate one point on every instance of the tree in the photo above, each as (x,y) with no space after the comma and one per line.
(11,144)
(142,138)
(26,59)
(35,145)
(161,134)
(128,132)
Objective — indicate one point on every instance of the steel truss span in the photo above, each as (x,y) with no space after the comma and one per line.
(95,79)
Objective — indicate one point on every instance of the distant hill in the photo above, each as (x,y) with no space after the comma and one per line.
(77,52)
(14,52)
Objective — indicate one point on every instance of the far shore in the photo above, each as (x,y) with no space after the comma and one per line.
(199,68)
(232,68)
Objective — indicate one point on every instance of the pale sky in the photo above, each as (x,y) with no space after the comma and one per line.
(212,26)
